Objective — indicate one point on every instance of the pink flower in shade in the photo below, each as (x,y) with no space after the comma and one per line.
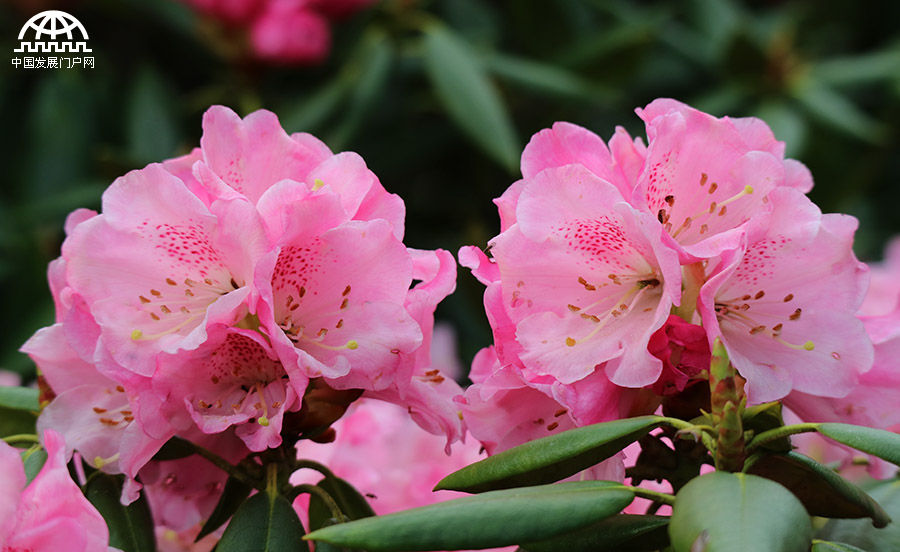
(182,493)
(290,32)
(783,303)
(684,350)
(233,12)
(339,9)
(50,513)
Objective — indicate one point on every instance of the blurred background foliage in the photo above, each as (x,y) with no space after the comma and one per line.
(439,97)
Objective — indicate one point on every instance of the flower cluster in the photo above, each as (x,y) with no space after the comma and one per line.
(289,32)
(618,265)
(219,294)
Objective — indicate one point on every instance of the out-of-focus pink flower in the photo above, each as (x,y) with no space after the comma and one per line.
(283,32)
(50,513)
(9,379)
(289,32)
(339,9)
(386,457)
(182,493)
(883,296)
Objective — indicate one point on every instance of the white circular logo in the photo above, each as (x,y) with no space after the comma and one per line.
(53,23)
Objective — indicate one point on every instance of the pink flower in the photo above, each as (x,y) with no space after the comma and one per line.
(785,302)
(883,296)
(50,513)
(283,32)
(684,350)
(214,286)
(289,32)
(387,458)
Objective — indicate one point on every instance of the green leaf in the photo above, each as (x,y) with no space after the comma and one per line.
(233,495)
(16,422)
(264,523)
(826,546)
(314,110)
(33,460)
(545,78)
(150,118)
(496,518)
(550,458)
(19,398)
(861,533)
(369,74)
(822,491)
(835,109)
(735,512)
(349,500)
(877,442)
(469,96)
(130,527)
(621,533)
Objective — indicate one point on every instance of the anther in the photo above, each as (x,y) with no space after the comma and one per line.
(552,426)
(346,291)
(788,297)
(796,315)
(171,282)
(759,294)
(670,199)
(352,345)
(573,308)
(143,299)
(713,187)
(703,179)
(155,293)
(570,342)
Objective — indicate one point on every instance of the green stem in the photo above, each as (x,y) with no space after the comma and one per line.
(692,280)
(22,438)
(326,498)
(705,432)
(655,496)
(778,433)
(312,465)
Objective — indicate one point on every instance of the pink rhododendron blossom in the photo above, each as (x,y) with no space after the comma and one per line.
(50,513)
(287,31)
(601,244)
(785,302)
(212,288)
(883,296)
(182,493)
(283,32)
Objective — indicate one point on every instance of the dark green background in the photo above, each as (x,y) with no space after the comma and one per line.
(826,76)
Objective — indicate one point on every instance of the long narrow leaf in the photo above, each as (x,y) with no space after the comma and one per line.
(492,519)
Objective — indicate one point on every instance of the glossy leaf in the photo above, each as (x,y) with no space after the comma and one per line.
(349,500)
(827,546)
(861,533)
(497,518)
(822,491)
(550,458)
(312,112)
(877,442)
(33,461)
(233,495)
(264,523)
(621,533)
(130,527)
(469,96)
(836,110)
(735,512)
(19,398)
